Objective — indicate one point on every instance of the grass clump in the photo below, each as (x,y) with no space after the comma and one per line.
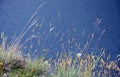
(15,66)
(86,65)
(31,69)
(77,67)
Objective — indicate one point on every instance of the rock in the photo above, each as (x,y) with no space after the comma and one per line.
(6,69)
(5,75)
(18,64)
(41,76)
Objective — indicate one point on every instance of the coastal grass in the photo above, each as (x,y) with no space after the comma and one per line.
(80,66)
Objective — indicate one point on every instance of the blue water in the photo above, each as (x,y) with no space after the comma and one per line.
(66,16)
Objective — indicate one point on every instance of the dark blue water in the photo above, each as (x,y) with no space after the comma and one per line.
(74,19)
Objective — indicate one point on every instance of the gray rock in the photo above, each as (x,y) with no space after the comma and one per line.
(5,75)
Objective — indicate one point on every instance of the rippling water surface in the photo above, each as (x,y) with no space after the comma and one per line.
(64,25)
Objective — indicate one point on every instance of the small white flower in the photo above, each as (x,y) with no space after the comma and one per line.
(93,56)
(46,62)
(79,55)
